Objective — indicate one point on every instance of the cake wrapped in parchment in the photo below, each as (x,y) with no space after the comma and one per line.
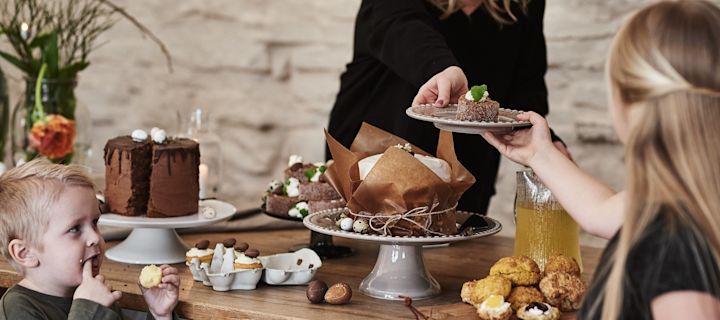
(400,195)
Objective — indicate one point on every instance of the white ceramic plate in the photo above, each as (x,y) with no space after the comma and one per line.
(324,222)
(223,211)
(444,118)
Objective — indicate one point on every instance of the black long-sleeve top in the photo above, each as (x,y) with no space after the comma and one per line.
(400,44)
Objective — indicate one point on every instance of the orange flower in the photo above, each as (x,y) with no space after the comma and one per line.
(54,137)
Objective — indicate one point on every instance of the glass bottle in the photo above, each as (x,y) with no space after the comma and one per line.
(543,227)
(196,125)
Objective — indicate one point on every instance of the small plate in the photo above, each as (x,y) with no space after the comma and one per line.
(444,118)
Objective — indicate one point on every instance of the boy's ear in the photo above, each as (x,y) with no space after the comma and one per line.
(22,254)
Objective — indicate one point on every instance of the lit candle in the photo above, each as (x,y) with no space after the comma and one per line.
(203,180)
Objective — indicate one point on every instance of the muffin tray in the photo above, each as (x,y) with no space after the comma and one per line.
(444,118)
(297,268)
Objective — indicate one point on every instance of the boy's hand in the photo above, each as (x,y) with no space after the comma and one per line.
(161,300)
(94,288)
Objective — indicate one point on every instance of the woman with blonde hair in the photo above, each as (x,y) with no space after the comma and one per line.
(662,261)
(429,50)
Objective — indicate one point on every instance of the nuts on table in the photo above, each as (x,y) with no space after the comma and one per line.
(339,293)
(316,291)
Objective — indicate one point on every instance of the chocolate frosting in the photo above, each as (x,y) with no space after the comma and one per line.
(127,173)
(174,184)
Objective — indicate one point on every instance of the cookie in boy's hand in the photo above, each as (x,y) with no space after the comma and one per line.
(150,276)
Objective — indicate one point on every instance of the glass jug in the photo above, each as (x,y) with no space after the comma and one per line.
(543,227)
(196,125)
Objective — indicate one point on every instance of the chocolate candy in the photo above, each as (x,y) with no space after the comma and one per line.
(316,291)
(339,293)
(537,305)
(203,244)
(242,246)
(252,253)
(229,243)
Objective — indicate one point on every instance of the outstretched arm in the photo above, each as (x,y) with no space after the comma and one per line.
(594,205)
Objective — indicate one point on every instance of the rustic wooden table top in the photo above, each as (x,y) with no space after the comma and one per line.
(451,266)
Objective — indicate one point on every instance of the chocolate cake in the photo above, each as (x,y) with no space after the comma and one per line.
(476,105)
(174,185)
(304,189)
(127,176)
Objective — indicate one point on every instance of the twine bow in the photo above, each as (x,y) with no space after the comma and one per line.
(383,224)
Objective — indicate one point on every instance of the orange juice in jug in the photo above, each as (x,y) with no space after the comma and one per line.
(543,228)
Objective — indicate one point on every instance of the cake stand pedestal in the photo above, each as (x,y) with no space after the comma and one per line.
(321,243)
(400,268)
(154,240)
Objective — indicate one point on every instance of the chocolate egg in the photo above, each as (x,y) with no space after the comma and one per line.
(316,291)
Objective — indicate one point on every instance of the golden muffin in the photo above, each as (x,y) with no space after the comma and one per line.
(563,290)
(520,270)
(482,289)
(520,296)
(562,263)
(538,311)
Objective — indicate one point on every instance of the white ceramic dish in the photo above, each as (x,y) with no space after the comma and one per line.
(297,268)
(240,279)
(294,268)
(444,118)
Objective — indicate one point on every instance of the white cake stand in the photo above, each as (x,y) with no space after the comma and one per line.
(154,240)
(399,269)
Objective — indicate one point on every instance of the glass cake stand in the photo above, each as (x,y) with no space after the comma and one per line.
(154,240)
(400,269)
(321,243)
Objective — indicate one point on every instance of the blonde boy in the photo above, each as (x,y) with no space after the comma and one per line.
(48,232)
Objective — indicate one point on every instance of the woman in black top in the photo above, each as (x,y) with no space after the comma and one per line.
(401,44)
(662,261)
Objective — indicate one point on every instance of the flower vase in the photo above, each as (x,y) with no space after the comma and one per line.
(4,119)
(57,128)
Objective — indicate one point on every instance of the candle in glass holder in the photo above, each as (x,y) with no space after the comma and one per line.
(203,180)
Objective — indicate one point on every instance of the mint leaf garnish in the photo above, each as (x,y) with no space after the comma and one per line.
(309,173)
(477,92)
(322,169)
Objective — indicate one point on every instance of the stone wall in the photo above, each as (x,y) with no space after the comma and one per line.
(268,71)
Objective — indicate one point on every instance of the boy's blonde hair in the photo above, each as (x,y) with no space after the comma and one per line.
(26,194)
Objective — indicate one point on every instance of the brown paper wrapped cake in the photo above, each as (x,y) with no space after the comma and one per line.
(398,183)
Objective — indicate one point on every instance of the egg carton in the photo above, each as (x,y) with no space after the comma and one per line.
(297,268)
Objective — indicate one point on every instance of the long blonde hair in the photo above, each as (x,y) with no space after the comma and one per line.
(502,14)
(663,68)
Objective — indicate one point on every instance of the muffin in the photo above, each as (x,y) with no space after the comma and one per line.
(484,288)
(248,260)
(476,105)
(520,270)
(520,296)
(562,263)
(538,311)
(201,251)
(563,290)
(494,308)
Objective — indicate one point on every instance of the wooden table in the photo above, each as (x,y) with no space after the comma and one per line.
(451,266)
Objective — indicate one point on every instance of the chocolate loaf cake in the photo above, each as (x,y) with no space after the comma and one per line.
(127,175)
(174,185)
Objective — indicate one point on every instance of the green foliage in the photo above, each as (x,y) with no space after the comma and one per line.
(58,33)
(477,92)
